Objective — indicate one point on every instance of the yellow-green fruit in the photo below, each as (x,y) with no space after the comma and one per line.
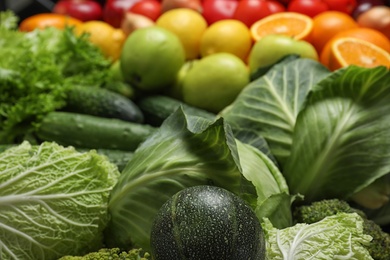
(189,25)
(151,58)
(271,48)
(214,81)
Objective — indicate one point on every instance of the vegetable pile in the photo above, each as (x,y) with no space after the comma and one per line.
(302,151)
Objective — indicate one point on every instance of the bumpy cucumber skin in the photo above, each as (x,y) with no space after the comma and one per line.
(206,222)
(102,102)
(86,131)
(156,108)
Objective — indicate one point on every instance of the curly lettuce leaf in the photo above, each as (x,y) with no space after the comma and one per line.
(53,201)
(336,237)
(36,69)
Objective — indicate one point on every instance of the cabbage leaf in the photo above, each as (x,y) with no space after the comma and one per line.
(335,237)
(184,152)
(268,107)
(53,201)
(341,140)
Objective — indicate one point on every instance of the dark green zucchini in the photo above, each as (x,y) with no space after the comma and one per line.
(157,108)
(206,222)
(103,103)
(86,131)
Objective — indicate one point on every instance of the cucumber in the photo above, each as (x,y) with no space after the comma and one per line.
(206,222)
(157,108)
(86,131)
(102,102)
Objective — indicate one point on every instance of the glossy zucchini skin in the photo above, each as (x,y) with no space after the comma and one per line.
(86,131)
(206,222)
(102,102)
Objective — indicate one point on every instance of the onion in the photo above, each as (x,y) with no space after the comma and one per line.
(132,21)
(377,17)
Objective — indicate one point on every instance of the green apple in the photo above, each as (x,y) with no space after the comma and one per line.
(271,48)
(214,81)
(151,57)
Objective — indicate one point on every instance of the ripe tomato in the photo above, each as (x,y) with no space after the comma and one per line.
(345,6)
(148,8)
(250,11)
(308,7)
(215,10)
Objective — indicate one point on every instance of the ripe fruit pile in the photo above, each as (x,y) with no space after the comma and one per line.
(337,33)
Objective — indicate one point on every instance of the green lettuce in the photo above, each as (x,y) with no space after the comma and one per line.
(336,237)
(36,69)
(188,151)
(53,201)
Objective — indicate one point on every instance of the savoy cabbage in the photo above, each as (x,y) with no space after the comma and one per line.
(53,201)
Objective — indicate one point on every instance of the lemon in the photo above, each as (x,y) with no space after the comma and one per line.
(188,25)
(107,38)
(213,82)
(228,35)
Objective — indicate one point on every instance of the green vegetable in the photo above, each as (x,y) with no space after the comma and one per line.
(379,247)
(329,132)
(157,108)
(206,222)
(102,102)
(111,254)
(188,151)
(86,131)
(268,107)
(53,201)
(36,68)
(335,237)
(341,141)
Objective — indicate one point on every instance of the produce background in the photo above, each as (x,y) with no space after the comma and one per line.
(25,9)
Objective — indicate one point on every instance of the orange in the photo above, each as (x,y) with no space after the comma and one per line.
(108,38)
(228,35)
(352,51)
(292,24)
(368,34)
(42,20)
(327,24)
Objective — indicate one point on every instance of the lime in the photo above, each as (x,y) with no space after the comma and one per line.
(151,58)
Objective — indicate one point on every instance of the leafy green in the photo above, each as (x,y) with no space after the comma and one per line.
(187,151)
(36,69)
(53,201)
(328,131)
(335,237)
(267,108)
(341,140)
